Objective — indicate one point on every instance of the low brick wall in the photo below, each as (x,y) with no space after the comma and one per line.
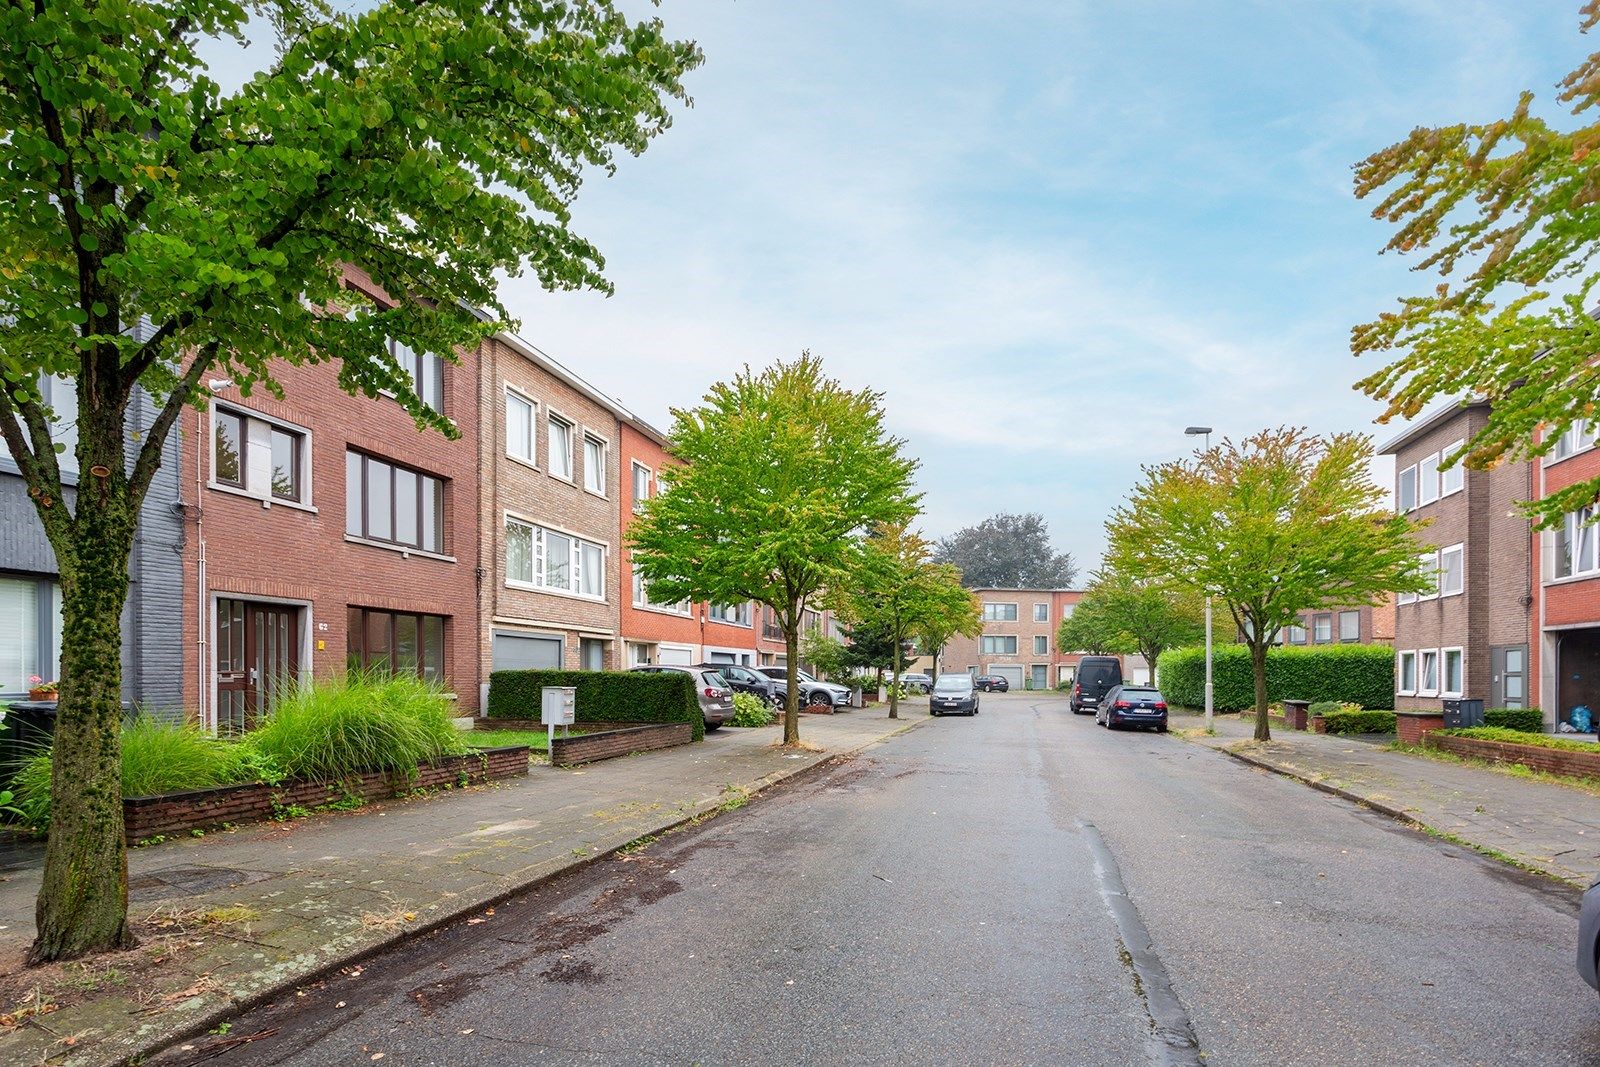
(201,809)
(1410,727)
(1554,760)
(587,748)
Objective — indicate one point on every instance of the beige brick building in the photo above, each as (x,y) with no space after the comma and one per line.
(1018,641)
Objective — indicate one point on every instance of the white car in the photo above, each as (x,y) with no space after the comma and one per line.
(812,691)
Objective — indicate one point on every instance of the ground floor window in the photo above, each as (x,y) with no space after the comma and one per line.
(30,632)
(397,642)
(591,654)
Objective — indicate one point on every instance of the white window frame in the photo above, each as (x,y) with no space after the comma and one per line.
(1459,549)
(1430,565)
(258,484)
(1579,532)
(575,568)
(1400,504)
(1339,618)
(1291,630)
(719,613)
(532,458)
(1317,620)
(994,611)
(1423,657)
(1402,661)
(986,644)
(1452,479)
(642,601)
(1041,644)
(591,438)
(1579,437)
(552,418)
(649,479)
(1445,689)
(1041,616)
(1427,480)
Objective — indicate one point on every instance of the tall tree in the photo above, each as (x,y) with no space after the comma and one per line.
(953,616)
(1008,552)
(1278,524)
(1122,614)
(432,143)
(1503,212)
(779,476)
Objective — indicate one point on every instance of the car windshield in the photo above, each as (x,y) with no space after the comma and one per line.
(953,683)
(804,677)
(1130,693)
(715,679)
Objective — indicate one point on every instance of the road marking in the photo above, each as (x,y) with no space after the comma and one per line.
(1173,1039)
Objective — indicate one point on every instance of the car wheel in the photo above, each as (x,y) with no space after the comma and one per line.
(1161,729)
(712,727)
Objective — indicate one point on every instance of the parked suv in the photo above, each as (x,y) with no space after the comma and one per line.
(1097,676)
(716,698)
(811,690)
(1133,705)
(746,680)
(917,683)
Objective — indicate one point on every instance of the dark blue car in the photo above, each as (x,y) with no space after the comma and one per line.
(1133,705)
(1589,937)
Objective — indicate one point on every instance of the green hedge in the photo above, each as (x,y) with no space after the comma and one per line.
(1518,737)
(603,696)
(1359,722)
(1354,674)
(1525,720)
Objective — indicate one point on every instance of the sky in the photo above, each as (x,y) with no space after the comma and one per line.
(1053,233)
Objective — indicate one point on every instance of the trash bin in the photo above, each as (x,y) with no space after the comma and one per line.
(1460,713)
(28,727)
(858,699)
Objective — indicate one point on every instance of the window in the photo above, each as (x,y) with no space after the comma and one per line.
(548,559)
(1000,645)
(1453,674)
(1430,575)
(30,632)
(1452,568)
(1067,610)
(394,642)
(1428,480)
(560,448)
(60,395)
(641,597)
(1428,672)
(641,486)
(1406,494)
(1321,629)
(1573,545)
(262,458)
(594,465)
(520,427)
(387,502)
(1297,633)
(737,614)
(1349,625)
(1041,613)
(1576,438)
(769,625)
(1406,682)
(999,613)
(1452,478)
(426,371)
(1041,645)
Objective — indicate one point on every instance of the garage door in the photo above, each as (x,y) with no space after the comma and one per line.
(676,657)
(520,652)
(1013,675)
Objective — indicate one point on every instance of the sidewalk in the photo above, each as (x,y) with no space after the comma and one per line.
(245,914)
(1552,828)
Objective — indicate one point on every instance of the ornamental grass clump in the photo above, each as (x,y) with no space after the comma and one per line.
(335,729)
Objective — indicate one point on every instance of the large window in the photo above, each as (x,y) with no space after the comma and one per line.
(1573,545)
(1041,645)
(60,395)
(30,632)
(1452,664)
(520,425)
(1296,633)
(641,597)
(1428,479)
(396,642)
(737,614)
(549,559)
(641,486)
(594,464)
(1000,644)
(1406,673)
(263,458)
(1349,625)
(1322,629)
(1578,436)
(560,438)
(426,371)
(1406,492)
(394,504)
(1041,613)
(1452,478)
(1452,570)
(1428,672)
(999,613)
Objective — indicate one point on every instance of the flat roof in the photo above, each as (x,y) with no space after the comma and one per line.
(1432,420)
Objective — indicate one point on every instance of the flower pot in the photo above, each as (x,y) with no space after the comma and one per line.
(43,694)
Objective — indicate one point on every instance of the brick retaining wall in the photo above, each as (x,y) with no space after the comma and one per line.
(1554,760)
(200,809)
(1410,727)
(587,748)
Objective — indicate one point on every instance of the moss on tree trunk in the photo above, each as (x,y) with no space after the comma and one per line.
(1258,666)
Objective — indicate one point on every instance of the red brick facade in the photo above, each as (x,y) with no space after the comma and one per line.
(1030,618)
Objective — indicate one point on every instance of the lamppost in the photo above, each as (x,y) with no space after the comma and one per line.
(1197,431)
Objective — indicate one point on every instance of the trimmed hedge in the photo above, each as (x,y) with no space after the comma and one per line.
(1359,722)
(603,696)
(1523,720)
(1518,737)
(1352,674)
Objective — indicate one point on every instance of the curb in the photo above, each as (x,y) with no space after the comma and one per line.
(461,908)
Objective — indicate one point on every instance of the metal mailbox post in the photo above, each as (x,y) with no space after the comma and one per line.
(558,707)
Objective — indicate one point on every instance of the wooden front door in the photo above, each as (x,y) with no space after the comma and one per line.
(258,651)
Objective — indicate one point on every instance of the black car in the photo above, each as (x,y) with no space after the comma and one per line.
(1097,676)
(746,680)
(1589,937)
(992,683)
(1133,705)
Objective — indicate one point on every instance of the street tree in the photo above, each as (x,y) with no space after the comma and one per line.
(1503,213)
(1124,615)
(778,476)
(1278,524)
(158,230)
(954,617)
(827,655)
(1008,552)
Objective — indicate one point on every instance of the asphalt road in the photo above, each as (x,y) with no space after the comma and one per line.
(1022,887)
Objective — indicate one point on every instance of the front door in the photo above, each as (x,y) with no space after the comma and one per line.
(258,650)
(1508,676)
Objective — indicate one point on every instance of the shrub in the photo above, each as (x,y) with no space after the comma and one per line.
(603,696)
(1359,722)
(1356,674)
(750,710)
(1519,737)
(1524,720)
(338,728)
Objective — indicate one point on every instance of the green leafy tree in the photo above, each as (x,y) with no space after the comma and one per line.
(1008,552)
(827,655)
(869,646)
(1503,213)
(1276,525)
(1124,615)
(779,476)
(433,144)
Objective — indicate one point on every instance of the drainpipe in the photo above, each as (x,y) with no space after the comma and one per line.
(201,636)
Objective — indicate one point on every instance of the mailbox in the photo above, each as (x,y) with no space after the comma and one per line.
(1459,713)
(560,705)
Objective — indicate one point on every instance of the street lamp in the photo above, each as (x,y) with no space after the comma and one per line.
(1197,431)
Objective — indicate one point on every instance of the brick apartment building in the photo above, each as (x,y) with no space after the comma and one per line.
(326,531)
(1018,641)
(1564,658)
(1364,624)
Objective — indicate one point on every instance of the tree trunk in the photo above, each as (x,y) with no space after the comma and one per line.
(791,645)
(1258,666)
(894,685)
(83,901)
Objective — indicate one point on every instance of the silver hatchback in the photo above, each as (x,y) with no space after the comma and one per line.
(712,690)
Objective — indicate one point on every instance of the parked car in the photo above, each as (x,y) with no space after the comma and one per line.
(1133,705)
(992,683)
(1589,937)
(917,683)
(953,694)
(812,691)
(748,680)
(1097,676)
(716,698)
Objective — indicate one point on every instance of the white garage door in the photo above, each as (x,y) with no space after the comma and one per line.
(676,657)
(1012,675)
(518,652)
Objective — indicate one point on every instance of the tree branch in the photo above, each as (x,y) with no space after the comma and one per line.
(37,463)
(149,460)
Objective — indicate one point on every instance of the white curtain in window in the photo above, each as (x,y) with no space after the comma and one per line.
(19,633)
